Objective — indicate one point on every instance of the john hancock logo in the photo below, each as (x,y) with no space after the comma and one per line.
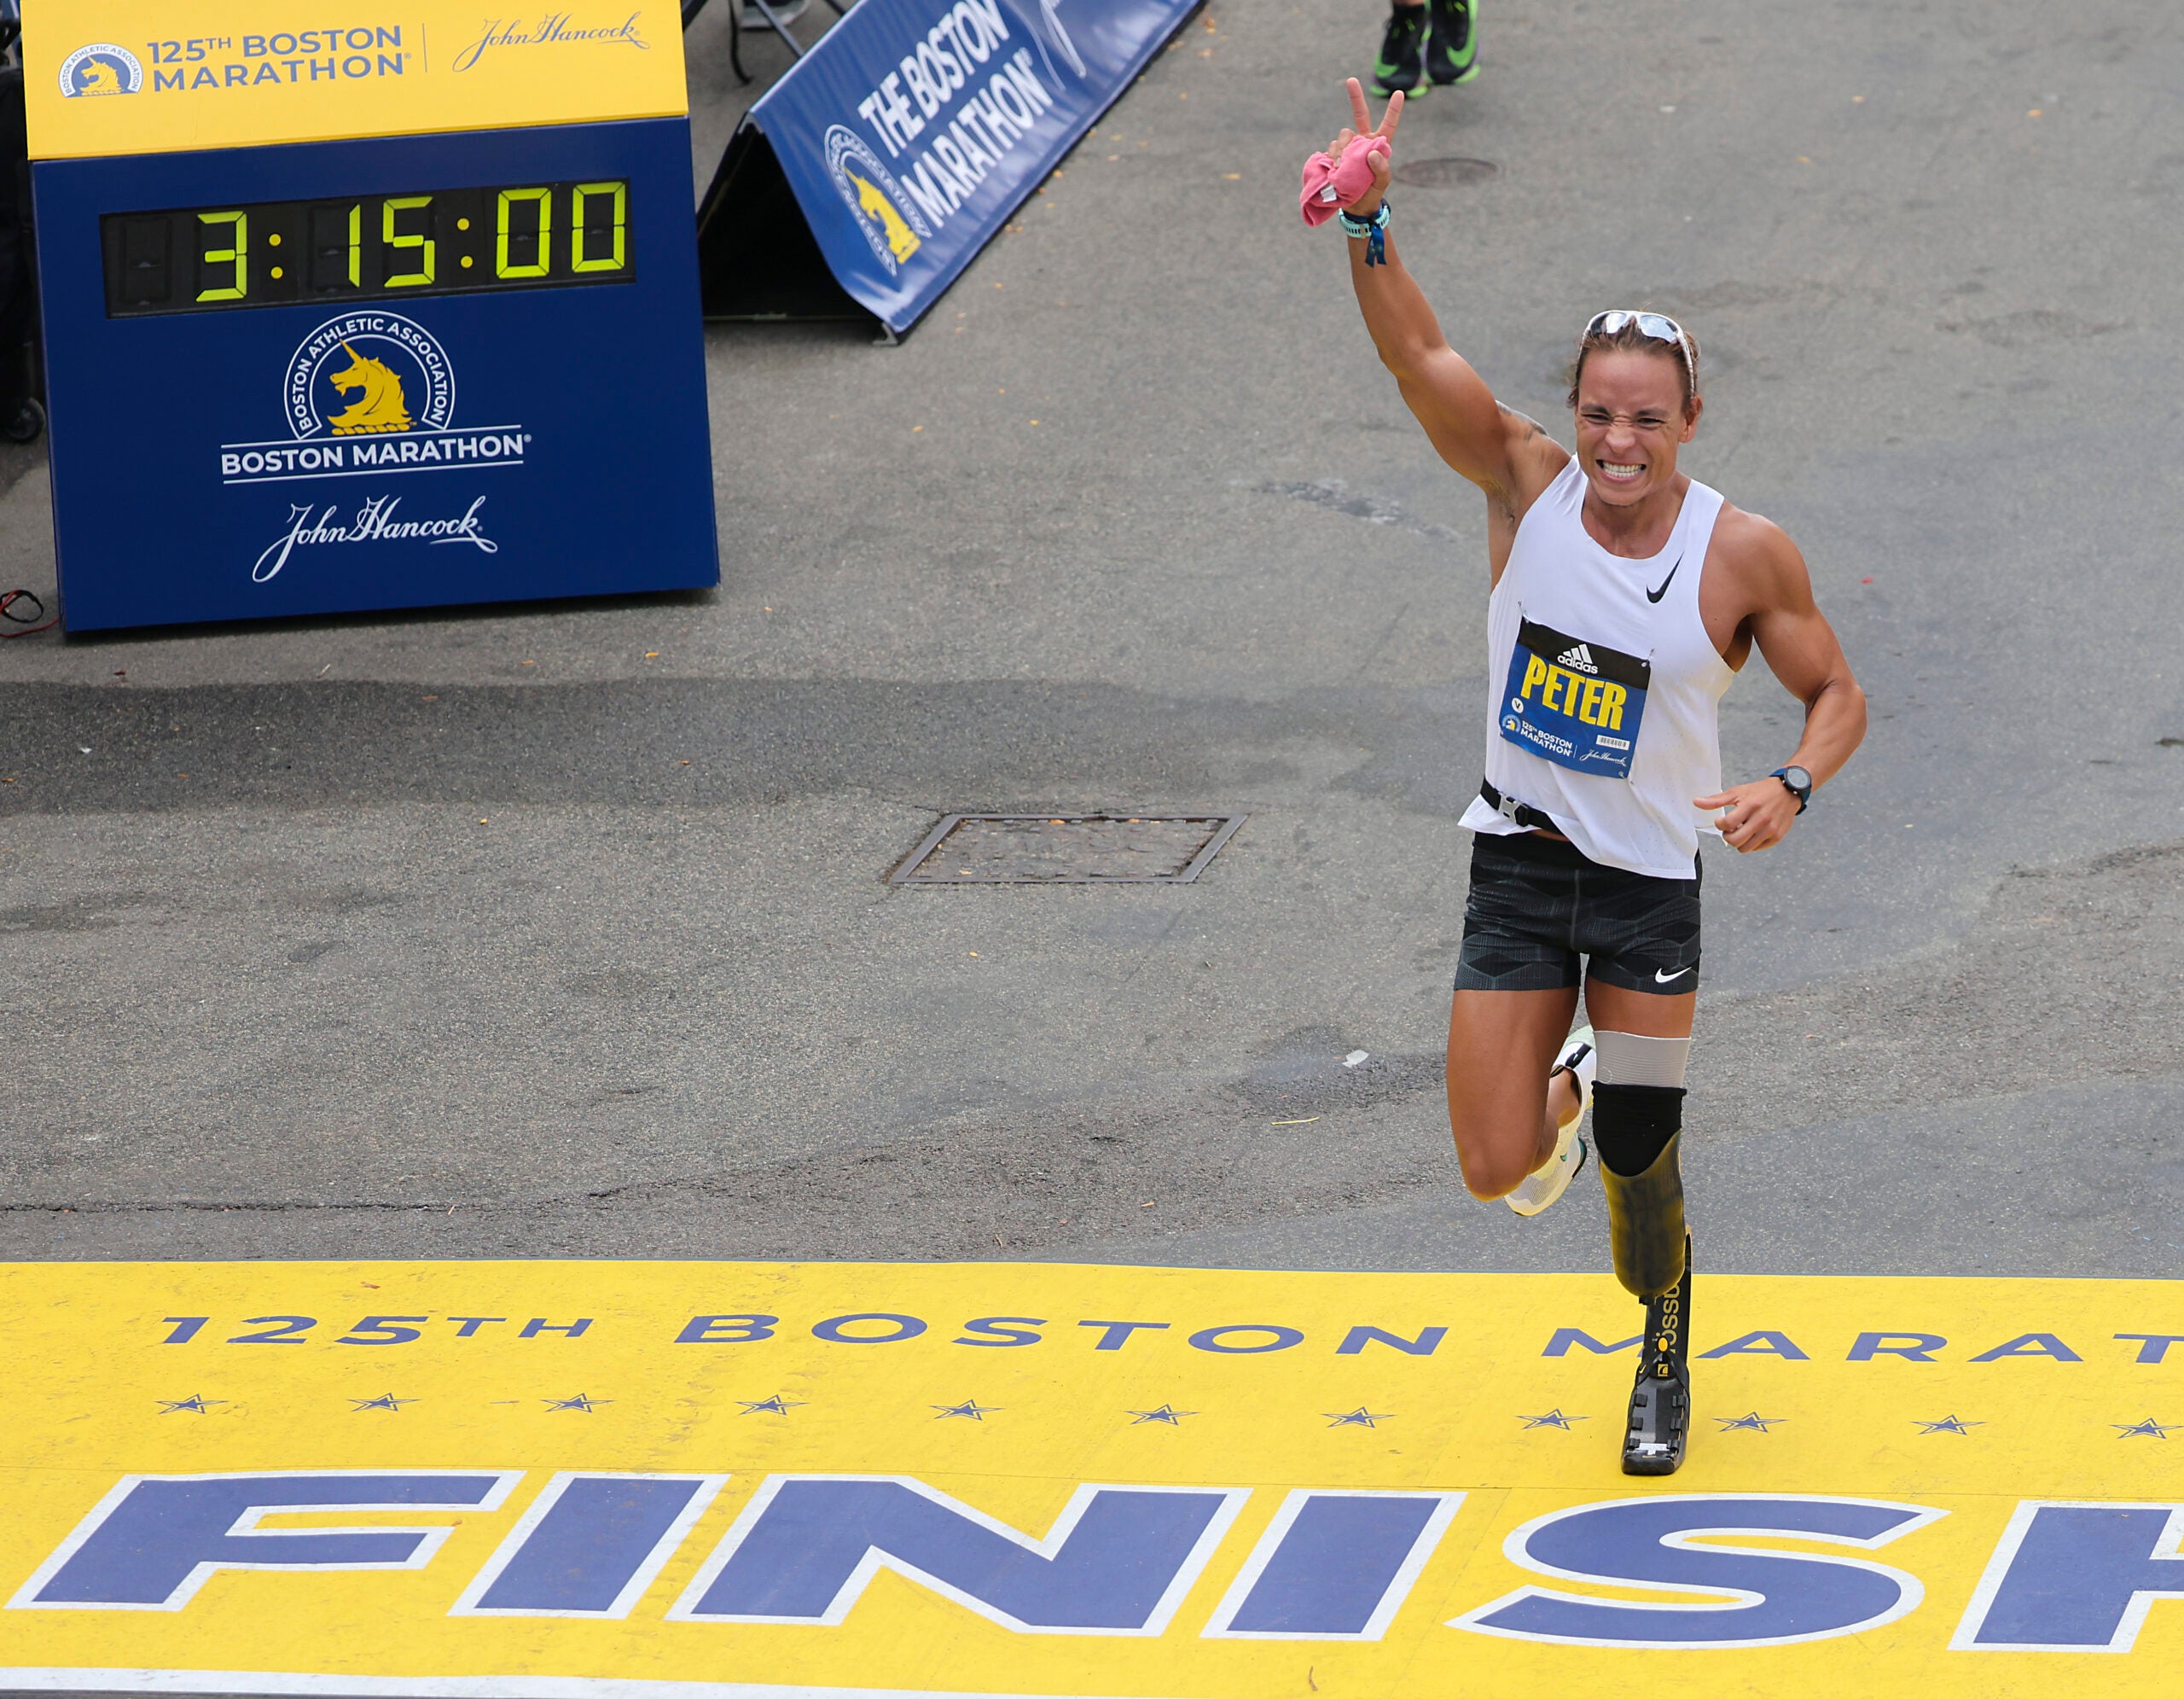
(556,29)
(888,217)
(102,68)
(372,520)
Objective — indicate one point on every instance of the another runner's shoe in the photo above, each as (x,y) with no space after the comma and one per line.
(1660,1403)
(1402,65)
(1549,1182)
(1452,55)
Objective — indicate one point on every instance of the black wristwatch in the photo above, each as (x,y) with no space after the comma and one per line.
(1798,783)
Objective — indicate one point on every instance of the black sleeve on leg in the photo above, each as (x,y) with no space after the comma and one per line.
(1632,1125)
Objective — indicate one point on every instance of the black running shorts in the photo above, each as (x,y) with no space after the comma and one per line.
(1538,903)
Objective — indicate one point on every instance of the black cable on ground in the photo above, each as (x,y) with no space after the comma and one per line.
(23,622)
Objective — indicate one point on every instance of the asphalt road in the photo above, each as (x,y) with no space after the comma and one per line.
(561,930)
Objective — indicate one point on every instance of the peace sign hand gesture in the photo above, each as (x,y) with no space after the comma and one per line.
(1360,129)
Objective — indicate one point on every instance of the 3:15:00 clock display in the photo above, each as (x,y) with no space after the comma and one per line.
(367,247)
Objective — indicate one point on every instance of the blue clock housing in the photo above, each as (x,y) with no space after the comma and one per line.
(393,372)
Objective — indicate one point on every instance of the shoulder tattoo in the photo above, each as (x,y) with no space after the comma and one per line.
(1531,425)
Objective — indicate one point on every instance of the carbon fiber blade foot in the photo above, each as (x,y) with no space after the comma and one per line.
(1660,1402)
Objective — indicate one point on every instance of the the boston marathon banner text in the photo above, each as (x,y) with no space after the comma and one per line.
(903,140)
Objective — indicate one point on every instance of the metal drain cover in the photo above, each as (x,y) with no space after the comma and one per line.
(1451,174)
(1066,849)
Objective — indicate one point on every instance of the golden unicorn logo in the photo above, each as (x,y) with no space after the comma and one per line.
(902,239)
(380,408)
(99,79)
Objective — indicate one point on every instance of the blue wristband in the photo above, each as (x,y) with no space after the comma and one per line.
(1372,231)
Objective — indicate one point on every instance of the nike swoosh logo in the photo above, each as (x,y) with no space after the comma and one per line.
(1656,595)
(1660,978)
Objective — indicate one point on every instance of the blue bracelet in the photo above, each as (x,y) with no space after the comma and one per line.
(1372,229)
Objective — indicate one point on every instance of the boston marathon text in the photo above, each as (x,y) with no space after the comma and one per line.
(299,56)
(278,460)
(1232,1339)
(988,122)
(277,463)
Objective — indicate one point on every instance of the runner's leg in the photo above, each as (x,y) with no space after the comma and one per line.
(1501,1046)
(1637,1111)
(1637,1117)
(1611,1009)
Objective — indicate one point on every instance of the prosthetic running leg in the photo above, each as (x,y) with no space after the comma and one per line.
(1660,1401)
(1638,1129)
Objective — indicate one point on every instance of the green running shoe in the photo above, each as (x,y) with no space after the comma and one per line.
(1402,65)
(1452,56)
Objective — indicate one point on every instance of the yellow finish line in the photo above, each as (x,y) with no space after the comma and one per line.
(742,1479)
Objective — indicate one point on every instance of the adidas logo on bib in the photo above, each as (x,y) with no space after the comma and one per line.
(1578,659)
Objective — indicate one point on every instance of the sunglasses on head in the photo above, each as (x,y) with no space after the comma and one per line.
(1658,325)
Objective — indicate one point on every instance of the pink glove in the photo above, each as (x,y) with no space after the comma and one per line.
(1329,187)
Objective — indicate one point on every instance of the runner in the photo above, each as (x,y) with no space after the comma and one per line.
(1625,597)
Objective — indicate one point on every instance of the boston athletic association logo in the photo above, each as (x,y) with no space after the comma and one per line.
(888,216)
(367,374)
(102,68)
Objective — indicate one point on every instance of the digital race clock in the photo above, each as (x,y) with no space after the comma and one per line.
(534,235)
(472,368)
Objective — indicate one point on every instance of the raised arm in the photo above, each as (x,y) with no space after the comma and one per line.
(1503,452)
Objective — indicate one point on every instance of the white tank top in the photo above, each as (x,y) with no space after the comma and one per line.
(1604,686)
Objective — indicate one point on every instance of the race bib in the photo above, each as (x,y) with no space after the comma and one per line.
(1575,703)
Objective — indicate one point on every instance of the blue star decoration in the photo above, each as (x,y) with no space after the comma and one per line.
(2147,1429)
(580,1402)
(1167,1413)
(1753,1421)
(1948,1424)
(196,1404)
(970,1407)
(386,1401)
(1359,1417)
(1554,1418)
(776,1405)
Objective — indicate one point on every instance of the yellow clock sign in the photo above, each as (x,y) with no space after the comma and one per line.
(106,77)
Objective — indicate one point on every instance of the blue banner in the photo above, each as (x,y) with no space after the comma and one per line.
(915,127)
